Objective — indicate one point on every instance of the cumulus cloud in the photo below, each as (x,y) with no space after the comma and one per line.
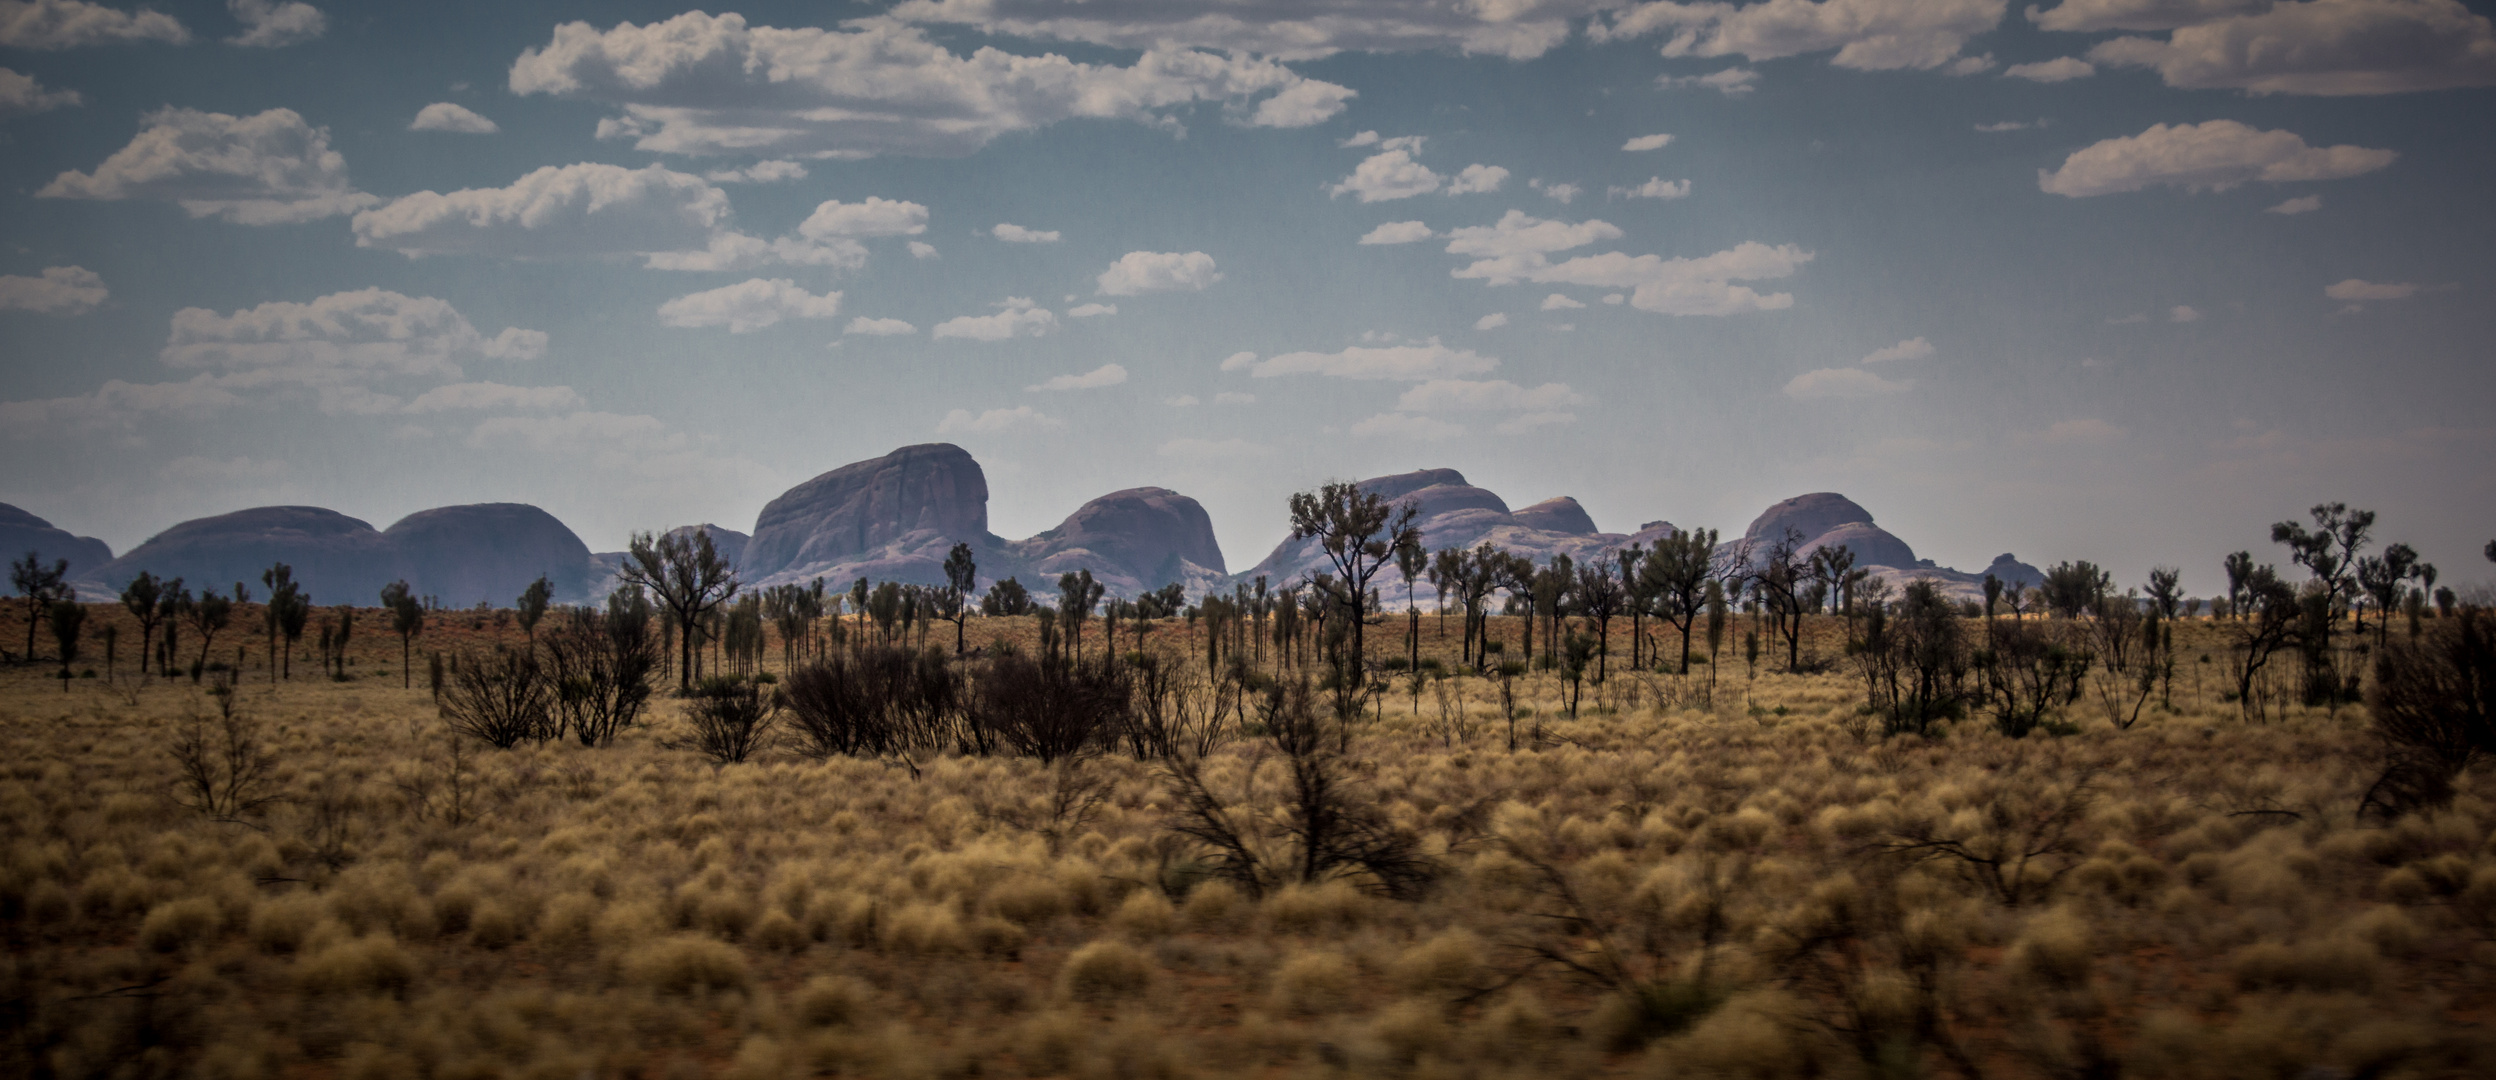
(1492,321)
(2059,69)
(2091,16)
(1016,234)
(71,24)
(1656,187)
(921,250)
(451,117)
(1869,35)
(1914,348)
(1559,302)
(2357,289)
(1731,82)
(1183,401)
(1525,422)
(2085,431)
(878,327)
(2183,313)
(1517,243)
(117,407)
(761,172)
(22,95)
(338,342)
(1515,29)
(710,84)
(1234,397)
(1398,232)
(1158,271)
(748,306)
(1088,311)
(267,169)
(2006,125)
(2213,156)
(1104,375)
(60,290)
(269,24)
(1407,426)
(1408,363)
(1392,174)
(1647,142)
(1016,317)
(1493,395)
(874,217)
(1212,449)
(1564,194)
(1478,180)
(494,396)
(2302,204)
(1518,248)
(2328,47)
(1020,417)
(673,220)
(1840,383)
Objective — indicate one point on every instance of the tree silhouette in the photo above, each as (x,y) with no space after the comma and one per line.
(1007,597)
(689,578)
(961,579)
(2239,572)
(171,606)
(1410,560)
(1993,594)
(1678,572)
(287,610)
(2166,590)
(1360,532)
(2329,551)
(407,619)
(1636,601)
(1600,596)
(212,612)
(40,585)
(141,596)
(1779,584)
(532,606)
(2071,589)
(2384,578)
(67,616)
(1076,595)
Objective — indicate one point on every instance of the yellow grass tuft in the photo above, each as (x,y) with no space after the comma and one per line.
(1105,970)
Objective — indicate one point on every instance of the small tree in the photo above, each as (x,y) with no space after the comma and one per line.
(40,585)
(689,578)
(1411,560)
(733,720)
(66,617)
(532,605)
(407,619)
(1006,598)
(212,612)
(2239,574)
(2072,589)
(961,580)
(287,604)
(1359,532)
(1680,573)
(1600,596)
(140,597)
(1076,595)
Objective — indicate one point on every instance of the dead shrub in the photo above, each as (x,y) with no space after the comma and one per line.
(1105,970)
(687,964)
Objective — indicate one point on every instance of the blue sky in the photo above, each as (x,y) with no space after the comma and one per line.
(2124,280)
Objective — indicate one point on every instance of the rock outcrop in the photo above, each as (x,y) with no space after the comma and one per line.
(728,543)
(22,532)
(1828,519)
(1456,514)
(1132,541)
(1561,515)
(890,518)
(488,552)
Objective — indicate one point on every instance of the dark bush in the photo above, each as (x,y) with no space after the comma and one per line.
(879,700)
(600,664)
(732,719)
(1052,708)
(2433,703)
(500,699)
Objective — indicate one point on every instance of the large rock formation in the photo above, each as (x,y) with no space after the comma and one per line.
(21,532)
(727,543)
(337,559)
(488,552)
(890,518)
(1132,541)
(1456,514)
(1828,519)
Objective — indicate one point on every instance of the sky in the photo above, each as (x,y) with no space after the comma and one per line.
(2118,280)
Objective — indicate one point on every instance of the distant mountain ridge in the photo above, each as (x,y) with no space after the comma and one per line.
(460,555)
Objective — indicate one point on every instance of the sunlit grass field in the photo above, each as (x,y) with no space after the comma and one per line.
(1677,881)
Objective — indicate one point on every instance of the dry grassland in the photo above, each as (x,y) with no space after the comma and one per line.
(1661,887)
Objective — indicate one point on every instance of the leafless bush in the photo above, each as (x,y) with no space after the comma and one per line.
(877,701)
(2029,672)
(599,665)
(501,699)
(225,771)
(1051,708)
(732,719)
(2433,703)
(2015,846)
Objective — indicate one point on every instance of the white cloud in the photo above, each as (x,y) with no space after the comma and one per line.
(22,95)
(1413,363)
(919,250)
(569,210)
(1234,397)
(1731,82)
(761,172)
(878,327)
(874,217)
(337,342)
(748,306)
(1559,302)
(1493,395)
(2090,16)
(2085,431)
(1492,321)
(1158,271)
(1614,298)
(1525,422)
(1016,234)
(1016,317)
(1398,232)
(270,24)
(1212,449)
(705,84)
(268,169)
(1969,65)
(1515,249)
(1183,401)
(2059,69)
(1517,243)
(1656,187)
(453,118)
(1366,138)
(70,24)
(1389,175)
(1564,194)
(2213,156)
(61,290)
(493,395)
(1869,35)
(960,421)
(1088,311)
(1647,142)
(730,250)
(1914,348)
(1104,375)
(2005,125)
(117,407)
(1515,29)
(1840,383)
(2359,289)
(1404,426)
(2183,313)
(2302,204)
(2331,47)
(1477,180)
